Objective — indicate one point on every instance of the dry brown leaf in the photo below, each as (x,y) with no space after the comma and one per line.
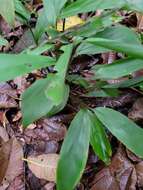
(136,113)
(44,166)
(5,150)
(46,130)
(15,164)
(120,175)
(3,134)
(49,186)
(139,170)
(105,181)
(7,96)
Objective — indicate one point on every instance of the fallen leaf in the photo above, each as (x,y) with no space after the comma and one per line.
(24,42)
(46,130)
(15,164)
(21,83)
(120,175)
(3,134)
(49,186)
(105,181)
(136,113)
(17,184)
(44,166)
(5,150)
(139,170)
(7,96)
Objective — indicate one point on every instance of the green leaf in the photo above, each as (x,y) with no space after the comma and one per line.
(36,103)
(52,94)
(15,65)
(131,49)
(136,5)
(7,11)
(63,62)
(108,92)
(121,127)
(122,33)
(126,83)
(74,152)
(57,88)
(3,41)
(99,140)
(21,10)
(41,25)
(117,69)
(52,10)
(82,6)
(39,50)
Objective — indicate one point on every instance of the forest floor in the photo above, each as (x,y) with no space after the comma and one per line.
(47,134)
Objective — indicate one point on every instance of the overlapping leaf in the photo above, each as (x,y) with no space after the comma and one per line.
(121,127)
(15,65)
(74,152)
(47,96)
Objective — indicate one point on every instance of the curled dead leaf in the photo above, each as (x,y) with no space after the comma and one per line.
(44,166)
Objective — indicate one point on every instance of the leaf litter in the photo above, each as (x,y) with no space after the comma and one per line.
(29,157)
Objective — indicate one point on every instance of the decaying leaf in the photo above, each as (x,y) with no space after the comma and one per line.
(7,96)
(136,113)
(46,130)
(104,180)
(120,175)
(5,150)
(11,164)
(139,170)
(3,134)
(44,166)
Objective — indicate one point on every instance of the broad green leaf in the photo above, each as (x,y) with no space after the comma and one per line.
(63,62)
(118,69)
(99,140)
(108,92)
(54,91)
(82,6)
(3,41)
(121,127)
(131,49)
(21,10)
(7,11)
(136,5)
(57,87)
(39,50)
(36,104)
(52,9)
(74,152)
(122,33)
(41,25)
(15,65)
(126,83)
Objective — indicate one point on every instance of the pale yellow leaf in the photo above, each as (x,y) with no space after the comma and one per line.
(69,22)
(44,166)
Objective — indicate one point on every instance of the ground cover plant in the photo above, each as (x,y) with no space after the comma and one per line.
(81,60)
